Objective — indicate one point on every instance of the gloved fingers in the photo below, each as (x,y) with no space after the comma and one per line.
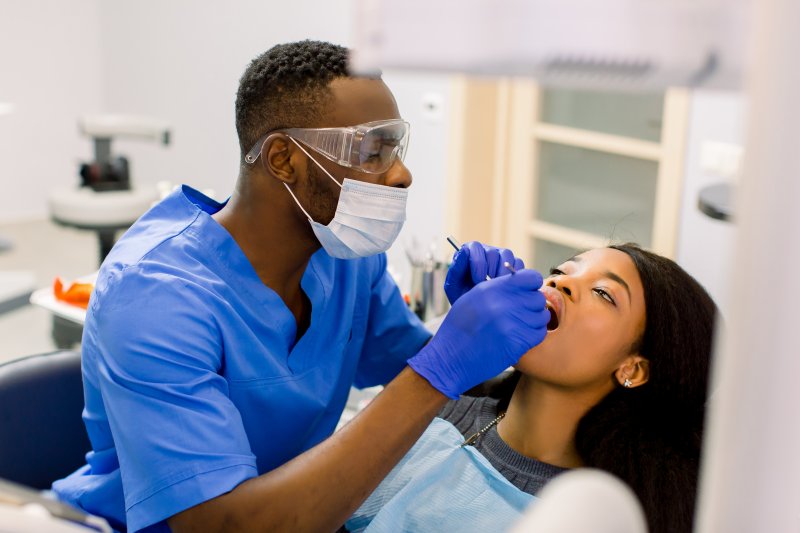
(531,338)
(477,261)
(456,282)
(525,279)
(494,262)
(458,269)
(535,317)
(529,309)
(519,264)
(533,301)
(506,256)
(458,251)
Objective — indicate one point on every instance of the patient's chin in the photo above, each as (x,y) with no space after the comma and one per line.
(530,354)
(545,350)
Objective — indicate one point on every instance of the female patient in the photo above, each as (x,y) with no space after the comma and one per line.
(619,384)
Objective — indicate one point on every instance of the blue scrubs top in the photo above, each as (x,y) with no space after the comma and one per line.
(193,379)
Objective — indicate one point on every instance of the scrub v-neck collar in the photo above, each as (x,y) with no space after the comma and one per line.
(244,277)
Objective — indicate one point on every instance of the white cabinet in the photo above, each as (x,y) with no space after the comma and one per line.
(567,170)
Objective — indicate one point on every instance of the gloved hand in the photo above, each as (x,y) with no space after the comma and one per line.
(472,263)
(487,330)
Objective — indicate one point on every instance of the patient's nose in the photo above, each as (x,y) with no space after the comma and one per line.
(560,284)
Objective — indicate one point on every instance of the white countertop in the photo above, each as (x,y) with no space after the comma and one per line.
(44,297)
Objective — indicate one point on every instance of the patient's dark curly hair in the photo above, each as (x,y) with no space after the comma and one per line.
(286,86)
(650,436)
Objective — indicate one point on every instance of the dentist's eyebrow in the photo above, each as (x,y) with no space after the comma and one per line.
(621,281)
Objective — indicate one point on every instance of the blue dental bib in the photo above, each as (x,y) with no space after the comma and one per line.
(440,486)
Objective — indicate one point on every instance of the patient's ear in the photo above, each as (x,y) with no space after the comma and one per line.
(633,372)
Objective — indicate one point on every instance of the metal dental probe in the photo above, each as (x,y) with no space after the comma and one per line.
(457,247)
(508,266)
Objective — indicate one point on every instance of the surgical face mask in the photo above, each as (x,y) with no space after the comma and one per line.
(368,217)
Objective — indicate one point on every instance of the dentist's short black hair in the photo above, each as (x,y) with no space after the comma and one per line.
(286,86)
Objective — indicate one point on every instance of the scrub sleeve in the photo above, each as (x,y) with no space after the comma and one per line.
(179,438)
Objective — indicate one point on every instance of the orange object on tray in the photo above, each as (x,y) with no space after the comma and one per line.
(77,294)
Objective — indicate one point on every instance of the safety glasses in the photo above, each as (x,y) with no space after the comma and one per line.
(371,147)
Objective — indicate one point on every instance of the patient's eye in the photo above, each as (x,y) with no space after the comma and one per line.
(605,295)
(556,272)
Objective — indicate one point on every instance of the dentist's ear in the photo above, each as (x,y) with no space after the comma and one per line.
(279,157)
(633,372)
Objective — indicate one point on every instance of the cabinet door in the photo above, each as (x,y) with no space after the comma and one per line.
(632,115)
(587,169)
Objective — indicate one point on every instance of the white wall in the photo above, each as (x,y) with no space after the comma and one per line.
(705,245)
(50,70)
(427,161)
(179,61)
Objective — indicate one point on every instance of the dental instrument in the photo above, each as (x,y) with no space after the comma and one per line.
(553,324)
(454,244)
(457,247)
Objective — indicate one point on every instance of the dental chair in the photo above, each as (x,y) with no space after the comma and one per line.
(106,202)
(43,436)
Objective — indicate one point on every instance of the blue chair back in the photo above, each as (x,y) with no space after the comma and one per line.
(42,436)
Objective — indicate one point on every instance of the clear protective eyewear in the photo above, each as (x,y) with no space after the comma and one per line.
(371,147)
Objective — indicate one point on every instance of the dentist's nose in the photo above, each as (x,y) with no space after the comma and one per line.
(398,175)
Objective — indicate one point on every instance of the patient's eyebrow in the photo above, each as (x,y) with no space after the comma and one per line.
(621,281)
(608,274)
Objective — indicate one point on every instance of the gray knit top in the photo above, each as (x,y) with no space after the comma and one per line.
(470,415)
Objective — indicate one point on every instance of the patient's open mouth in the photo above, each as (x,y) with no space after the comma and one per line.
(553,323)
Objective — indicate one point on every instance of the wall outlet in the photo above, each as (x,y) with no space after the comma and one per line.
(432,106)
(721,159)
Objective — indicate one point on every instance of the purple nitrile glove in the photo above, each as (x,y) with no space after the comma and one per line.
(487,330)
(472,263)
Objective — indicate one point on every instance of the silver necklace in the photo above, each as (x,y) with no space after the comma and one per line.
(474,438)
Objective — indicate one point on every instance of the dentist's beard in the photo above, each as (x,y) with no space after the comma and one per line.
(322,199)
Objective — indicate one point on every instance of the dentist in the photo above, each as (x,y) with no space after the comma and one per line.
(222,339)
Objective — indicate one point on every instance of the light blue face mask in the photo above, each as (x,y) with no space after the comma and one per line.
(368,217)
(440,486)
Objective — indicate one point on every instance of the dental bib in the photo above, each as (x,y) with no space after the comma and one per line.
(440,486)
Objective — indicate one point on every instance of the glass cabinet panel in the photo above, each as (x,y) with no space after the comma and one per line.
(547,255)
(604,194)
(625,114)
